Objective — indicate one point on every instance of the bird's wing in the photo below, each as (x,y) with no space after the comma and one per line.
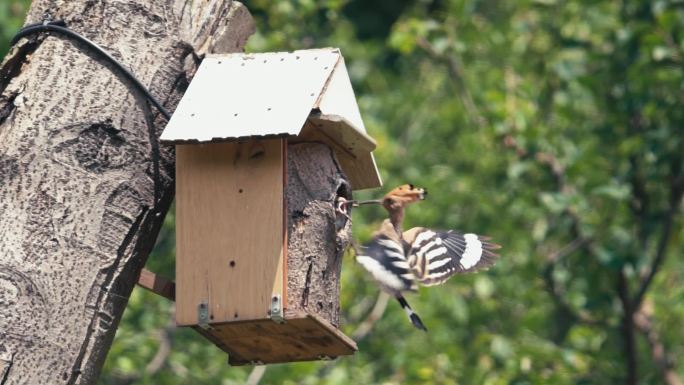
(384,258)
(434,256)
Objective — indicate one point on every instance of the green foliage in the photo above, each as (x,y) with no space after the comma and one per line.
(553,126)
(11,19)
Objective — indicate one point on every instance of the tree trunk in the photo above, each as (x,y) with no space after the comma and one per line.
(84,184)
(317,234)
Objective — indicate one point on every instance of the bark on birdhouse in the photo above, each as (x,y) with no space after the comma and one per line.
(265,143)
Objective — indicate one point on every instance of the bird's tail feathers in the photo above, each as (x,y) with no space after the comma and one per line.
(415,320)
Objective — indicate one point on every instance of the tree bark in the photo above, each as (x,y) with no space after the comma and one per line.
(317,234)
(84,184)
(628,330)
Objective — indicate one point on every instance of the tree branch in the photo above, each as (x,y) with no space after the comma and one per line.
(568,249)
(364,327)
(628,328)
(641,201)
(644,322)
(669,40)
(558,172)
(164,339)
(647,277)
(456,74)
(256,375)
(374,316)
(676,192)
(556,292)
(157,362)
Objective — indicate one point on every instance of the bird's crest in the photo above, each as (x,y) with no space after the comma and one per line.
(403,195)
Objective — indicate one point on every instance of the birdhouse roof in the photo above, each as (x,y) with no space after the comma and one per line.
(304,94)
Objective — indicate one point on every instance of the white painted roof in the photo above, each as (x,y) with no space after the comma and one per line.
(240,95)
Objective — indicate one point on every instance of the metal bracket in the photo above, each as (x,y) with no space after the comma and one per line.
(276,311)
(203,315)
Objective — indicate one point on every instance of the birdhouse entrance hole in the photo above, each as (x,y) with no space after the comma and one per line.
(232,255)
(248,131)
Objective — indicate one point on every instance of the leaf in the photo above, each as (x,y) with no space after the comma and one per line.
(613,191)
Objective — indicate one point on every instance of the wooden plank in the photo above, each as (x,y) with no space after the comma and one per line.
(362,171)
(351,147)
(304,337)
(282,266)
(350,343)
(157,284)
(230,239)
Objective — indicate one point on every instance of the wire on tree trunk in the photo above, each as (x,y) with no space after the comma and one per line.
(60,27)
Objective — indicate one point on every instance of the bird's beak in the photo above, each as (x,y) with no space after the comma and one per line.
(355,203)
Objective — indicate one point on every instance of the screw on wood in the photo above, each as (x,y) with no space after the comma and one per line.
(276,311)
(203,315)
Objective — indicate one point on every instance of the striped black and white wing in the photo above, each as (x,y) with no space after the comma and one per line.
(434,256)
(385,260)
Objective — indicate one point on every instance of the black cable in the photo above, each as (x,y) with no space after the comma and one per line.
(60,23)
(60,27)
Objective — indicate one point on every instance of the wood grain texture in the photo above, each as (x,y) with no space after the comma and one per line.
(303,337)
(85,184)
(229,229)
(157,284)
(352,149)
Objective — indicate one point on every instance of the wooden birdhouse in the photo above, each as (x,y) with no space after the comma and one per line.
(237,275)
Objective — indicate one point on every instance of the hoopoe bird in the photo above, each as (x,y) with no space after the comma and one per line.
(400,260)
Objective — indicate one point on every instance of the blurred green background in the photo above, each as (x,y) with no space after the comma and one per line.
(556,127)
